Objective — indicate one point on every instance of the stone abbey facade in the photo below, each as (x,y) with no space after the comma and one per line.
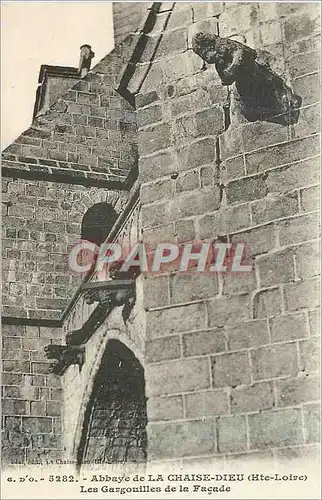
(180,134)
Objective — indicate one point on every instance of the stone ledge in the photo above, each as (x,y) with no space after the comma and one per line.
(44,173)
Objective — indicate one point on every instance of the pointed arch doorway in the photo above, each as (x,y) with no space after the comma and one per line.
(114,429)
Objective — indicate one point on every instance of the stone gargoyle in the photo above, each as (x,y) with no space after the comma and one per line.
(113,298)
(261,93)
(65,355)
(113,293)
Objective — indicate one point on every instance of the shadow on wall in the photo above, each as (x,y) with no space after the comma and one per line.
(260,93)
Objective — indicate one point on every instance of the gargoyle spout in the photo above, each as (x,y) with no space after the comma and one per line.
(230,57)
(261,93)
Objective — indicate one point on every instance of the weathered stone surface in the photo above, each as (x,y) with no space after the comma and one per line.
(175,319)
(154,139)
(258,240)
(247,189)
(296,391)
(230,370)
(155,191)
(230,144)
(314,321)
(267,303)
(164,348)
(165,408)
(173,42)
(274,207)
(185,230)
(265,133)
(256,397)
(281,154)
(310,198)
(248,334)
(187,181)
(312,423)
(289,327)
(299,229)
(302,294)
(210,121)
(195,203)
(233,168)
(205,10)
(156,166)
(181,65)
(237,283)
(276,268)
(225,311)
(197,154)
(156,291)
(309,355)
(181,439)
(275,361)
(232,434)
(269,428)
(159,383)
(150,115)
(206,404)
(224,221)
(186,288)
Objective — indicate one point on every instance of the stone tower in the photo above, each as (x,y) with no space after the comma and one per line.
(222,367)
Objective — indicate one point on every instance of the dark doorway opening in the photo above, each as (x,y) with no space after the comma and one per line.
(97,222)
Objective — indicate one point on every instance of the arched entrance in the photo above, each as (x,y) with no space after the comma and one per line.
(114,430)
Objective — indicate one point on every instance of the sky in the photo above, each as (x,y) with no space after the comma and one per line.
(36,33)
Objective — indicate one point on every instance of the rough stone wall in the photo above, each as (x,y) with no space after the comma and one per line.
(57,87)
(128,18)
(51,89)
(77,154)
(115,423)
(41,223)
(80,152)
(78,385)
(231,362)
(32,397)
(82,135)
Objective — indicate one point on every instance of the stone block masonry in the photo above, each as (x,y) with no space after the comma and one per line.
(230,362)
(128,18)
(70,159)
(81,136)
(41,223)
(78,153)
(31,396)
(228,371)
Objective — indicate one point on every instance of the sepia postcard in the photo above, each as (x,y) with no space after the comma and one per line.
(160,250)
